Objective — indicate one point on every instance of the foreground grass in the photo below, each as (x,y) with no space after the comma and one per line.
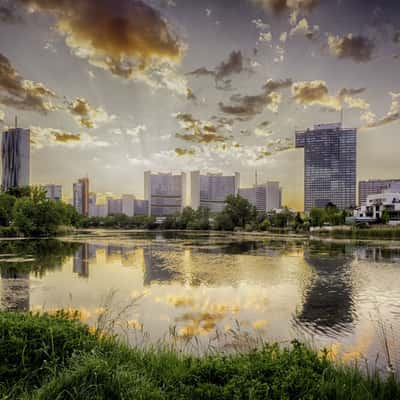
(51,357)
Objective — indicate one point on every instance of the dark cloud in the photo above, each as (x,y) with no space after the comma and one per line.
(202,71)
(8,13)
(249,106)
(396,37)
(22,94)
(129,37)
(358,48)
(235,64)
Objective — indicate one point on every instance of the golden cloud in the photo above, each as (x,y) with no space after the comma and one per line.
(87,116)
(310,93)
(129,38)
(50,137)
(370,119)
(202,132)
(358,48)
(20,93)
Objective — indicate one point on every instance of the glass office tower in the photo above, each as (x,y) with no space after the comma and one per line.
(330,165)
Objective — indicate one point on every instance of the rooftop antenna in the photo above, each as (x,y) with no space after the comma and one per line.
(341,116)
(256,178)
(16,122)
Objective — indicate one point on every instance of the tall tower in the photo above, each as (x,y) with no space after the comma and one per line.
(330,165)
(15,151)
(81,196)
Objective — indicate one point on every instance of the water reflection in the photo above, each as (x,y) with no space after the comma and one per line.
(21,258)
(202,282)
(328,303)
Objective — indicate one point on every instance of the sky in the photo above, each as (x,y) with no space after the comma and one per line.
(111,89)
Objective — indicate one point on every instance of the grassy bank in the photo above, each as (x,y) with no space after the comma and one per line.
(378,232)
(50,357)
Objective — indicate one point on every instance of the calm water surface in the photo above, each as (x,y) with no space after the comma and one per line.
(331,294)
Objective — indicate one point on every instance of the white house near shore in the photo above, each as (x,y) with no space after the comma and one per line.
(378,204)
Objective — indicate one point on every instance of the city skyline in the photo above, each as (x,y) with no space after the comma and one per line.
(220,86)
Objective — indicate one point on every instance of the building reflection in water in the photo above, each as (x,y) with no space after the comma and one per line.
(15,290)
(83,255)
(328,300)
(159,266)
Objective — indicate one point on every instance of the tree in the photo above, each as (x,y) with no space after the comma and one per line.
(239,210)
(7,202)
(317,216)
(385,217)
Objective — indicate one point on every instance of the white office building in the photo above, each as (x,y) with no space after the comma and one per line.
(265,197)
(53,192)
(378,204)
(166,193)
(211,190)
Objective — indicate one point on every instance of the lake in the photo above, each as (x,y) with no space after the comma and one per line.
(149,286)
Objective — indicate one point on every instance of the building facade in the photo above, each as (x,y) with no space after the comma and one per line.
(15,151)
(211,190)
(53,192)
(264,197)
(330,165)
(166,193)
(128,205)
(114,206)
(81,196)
(374,186)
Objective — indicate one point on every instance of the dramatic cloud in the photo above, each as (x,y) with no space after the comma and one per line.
(249,106)
(49,137)
(310,93)
(202,132)
(235,64)
(282,6)
(129,38)
(358,48)
(22,94)
(87,116)
(370,120)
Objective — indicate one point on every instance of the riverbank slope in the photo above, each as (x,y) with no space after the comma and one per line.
(49,357)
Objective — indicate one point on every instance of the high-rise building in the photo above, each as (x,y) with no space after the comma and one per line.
(375,186)
(15,151)
(114,206)
(141,207)
(166,193)
(330,169)
(53,192)
(211,190)
(264,197)
(128,205)
(81,196)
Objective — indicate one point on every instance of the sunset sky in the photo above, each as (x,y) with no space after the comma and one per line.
(113,88)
